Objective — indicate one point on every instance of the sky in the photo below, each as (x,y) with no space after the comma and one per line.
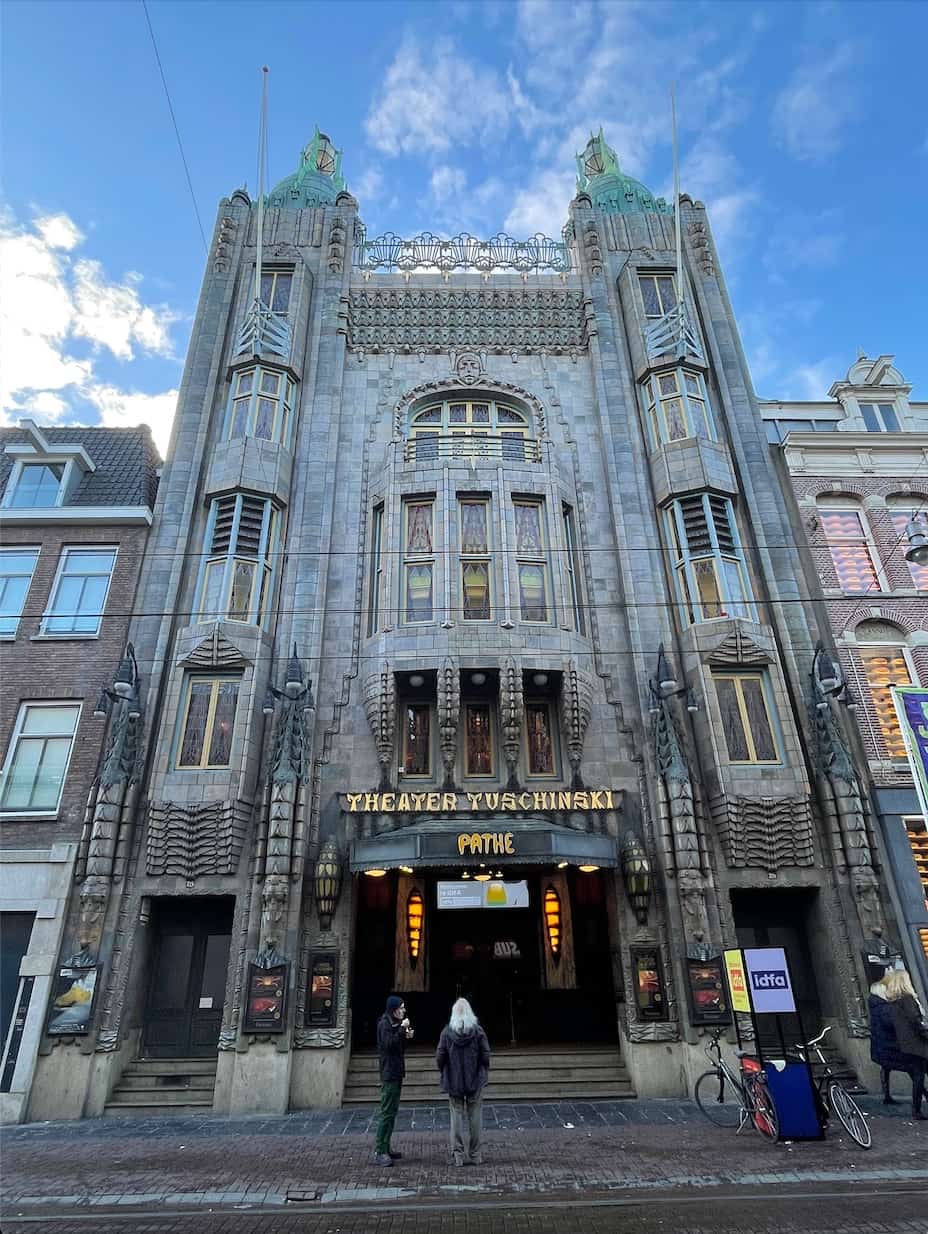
(802,126)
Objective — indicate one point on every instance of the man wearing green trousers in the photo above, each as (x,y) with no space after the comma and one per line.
(393,1031)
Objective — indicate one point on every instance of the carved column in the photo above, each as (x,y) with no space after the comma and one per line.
(379,696)
(512,717)
(576,700)
(449,709)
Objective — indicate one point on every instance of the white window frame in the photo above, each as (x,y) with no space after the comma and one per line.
(866,644)
(16,550)
(16,735)
(684,558)
(64,484)
(60,573)
(878,406)
(265,562)
(848,506)
(283,401)
(654,402)
(899,508)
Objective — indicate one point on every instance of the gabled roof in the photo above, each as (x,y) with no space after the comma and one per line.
(125,463)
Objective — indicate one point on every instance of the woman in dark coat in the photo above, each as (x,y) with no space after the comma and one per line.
(911,1032)
(884,1049)
(463,1058)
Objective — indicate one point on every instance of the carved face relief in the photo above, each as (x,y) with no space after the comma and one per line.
(468,368)
(93,906)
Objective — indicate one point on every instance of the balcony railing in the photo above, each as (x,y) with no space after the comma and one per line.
(436,447)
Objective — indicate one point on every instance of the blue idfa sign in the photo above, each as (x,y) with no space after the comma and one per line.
(768,976)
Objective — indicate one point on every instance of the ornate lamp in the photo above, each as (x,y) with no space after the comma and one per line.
(665,677)
(415,913)
(328,882)
(916,533)
(636,874)
(552,915)
(125,688)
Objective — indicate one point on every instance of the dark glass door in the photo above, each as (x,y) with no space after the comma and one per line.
(190,958)
(15,931)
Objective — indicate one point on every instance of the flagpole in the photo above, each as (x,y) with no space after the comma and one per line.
(262,158)
(676,207)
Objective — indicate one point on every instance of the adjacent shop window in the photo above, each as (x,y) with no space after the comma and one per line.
(208,722)
(275,290)
(474,517)
(478,739)
(471,427)
(417,739)
(709,562)
(901,514)
(36,485)
(917,831)
(658,294)
(531,560)
(375,579)
(851,548)
(79,593)
(237,577)
(678,406)
(38,757)
(419,559)
(539,737)
(879,417)
(261,404)
(746,717)
(16,569)
(573,569)
(886,664)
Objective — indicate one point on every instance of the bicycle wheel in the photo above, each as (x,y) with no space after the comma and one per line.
(763,1111)
(850,1113)
(718,1099)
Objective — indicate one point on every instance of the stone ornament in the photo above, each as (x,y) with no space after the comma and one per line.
(449,706)
(512,716)
(576,701)
(468,368)
(197,839)
(379,698)
(767,833)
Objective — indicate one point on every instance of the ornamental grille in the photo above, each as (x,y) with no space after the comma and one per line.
(251,522)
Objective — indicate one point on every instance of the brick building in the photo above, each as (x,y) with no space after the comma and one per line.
(75,508)
(475,657)
(858,467)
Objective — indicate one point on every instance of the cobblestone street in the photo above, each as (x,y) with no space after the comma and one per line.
(648,1166)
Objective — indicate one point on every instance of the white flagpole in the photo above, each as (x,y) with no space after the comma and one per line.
(262,158)
(676,209)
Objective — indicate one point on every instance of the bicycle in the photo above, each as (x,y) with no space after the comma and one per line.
(831,1094)
(730,1100)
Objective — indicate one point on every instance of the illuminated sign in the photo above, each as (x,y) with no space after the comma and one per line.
(456,803)
(471,894)
(498,843)
(737,981)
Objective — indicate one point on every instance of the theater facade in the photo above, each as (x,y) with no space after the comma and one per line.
(474,657)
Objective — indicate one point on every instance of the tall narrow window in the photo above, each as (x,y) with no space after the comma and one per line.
(851,549)
(16,569)
(709,563)
(886,666)
(419,560)
(531,560)
(746,721)
(658,294)
(678,406)
(261,404)
(475,559)
(417,743)
(79,594)
(38,757)
(275,290)
(478,739)
(573,569)
(901,516)
(879,417)
(539,738)
(208,722)
(237,577)
(375,580)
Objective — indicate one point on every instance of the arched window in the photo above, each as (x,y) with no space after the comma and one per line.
(468,427)
(850,543)
(886,662)
(901,508)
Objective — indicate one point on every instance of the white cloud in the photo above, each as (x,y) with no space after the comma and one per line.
(810,382)
(431,103)
(812,111)
(126,409)
(803,241)
(541,205)
(368,185)
(51,300)
(447,182)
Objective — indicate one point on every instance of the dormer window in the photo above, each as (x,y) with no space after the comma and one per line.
(879,417)
(38,484)
(43,472)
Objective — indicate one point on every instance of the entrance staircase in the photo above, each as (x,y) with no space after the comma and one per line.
(163,1086)
(528,1073)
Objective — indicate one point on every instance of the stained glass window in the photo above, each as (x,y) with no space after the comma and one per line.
(709,564)
(850,550)
(474,527)
(416,739)
(746,723)
(419,527)
(463,429)
(209,722)
(531,563)
(478,740)
(677,406)
(475,561)
(886,666)
(419,566)
(237,574)
(539,738)
(261,405)
(658,294)
(419,605)
(528,527)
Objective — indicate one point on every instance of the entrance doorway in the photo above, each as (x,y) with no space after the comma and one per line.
(186,992)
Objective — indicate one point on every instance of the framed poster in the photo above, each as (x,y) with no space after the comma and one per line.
(322,994)
(74,990)
(266,1005)
(705,983)
(648,980)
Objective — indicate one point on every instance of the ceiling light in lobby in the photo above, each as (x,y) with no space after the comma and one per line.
(540,679)
(587,869)
(483,878)
(416,680)
(375,873)
(478,679)
(406,869)
(562,865)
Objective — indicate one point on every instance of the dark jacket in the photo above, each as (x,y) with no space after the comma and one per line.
(884,1048)
(911,1032)
(391,1048)
(463,1060)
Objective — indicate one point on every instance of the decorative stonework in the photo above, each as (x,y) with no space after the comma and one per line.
(449,707)
(441,389)
(591,248)
(767,833)
(506,319)
(738,649)
(702,247)
(511,716)
(195,840)
(663,1030)
(469,367)
(379,698)
(576,700)
(337,240)
(223,252)
(215,651)
(426,251)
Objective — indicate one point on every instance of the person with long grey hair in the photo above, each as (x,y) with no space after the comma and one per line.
(463,1058)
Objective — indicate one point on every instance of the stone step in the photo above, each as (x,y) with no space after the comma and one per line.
(507,1074)
(165,1083)
(161,1097)
(540,1094)
(171,1066)
(364,1063)
(121,1110)
(152,1086)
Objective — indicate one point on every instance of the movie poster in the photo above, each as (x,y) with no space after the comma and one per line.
(73,995)
(266,1005)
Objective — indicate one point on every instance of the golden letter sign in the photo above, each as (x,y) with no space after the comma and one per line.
(486,843)
(454,803)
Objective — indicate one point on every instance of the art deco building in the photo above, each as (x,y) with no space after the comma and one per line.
(477,657)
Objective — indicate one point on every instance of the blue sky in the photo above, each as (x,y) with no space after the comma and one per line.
(802,126)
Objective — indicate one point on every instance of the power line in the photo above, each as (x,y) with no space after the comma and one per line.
(180,144)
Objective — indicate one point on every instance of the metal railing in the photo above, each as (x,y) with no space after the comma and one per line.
(437,447)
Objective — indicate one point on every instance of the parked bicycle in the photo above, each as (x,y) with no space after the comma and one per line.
(832,1096)
(731,1100)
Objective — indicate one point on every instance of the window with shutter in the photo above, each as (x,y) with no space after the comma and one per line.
(709,564)
(236,579)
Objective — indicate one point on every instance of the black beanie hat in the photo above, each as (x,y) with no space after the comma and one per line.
(393,1002)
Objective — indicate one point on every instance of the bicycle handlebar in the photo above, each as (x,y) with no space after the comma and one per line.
(815,1040)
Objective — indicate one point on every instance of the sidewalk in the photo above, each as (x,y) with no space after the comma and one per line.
(564,1149)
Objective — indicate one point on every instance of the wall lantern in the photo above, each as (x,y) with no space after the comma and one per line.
(636,874)
(415,912)
(552,911)
(328,882)
(917,535)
